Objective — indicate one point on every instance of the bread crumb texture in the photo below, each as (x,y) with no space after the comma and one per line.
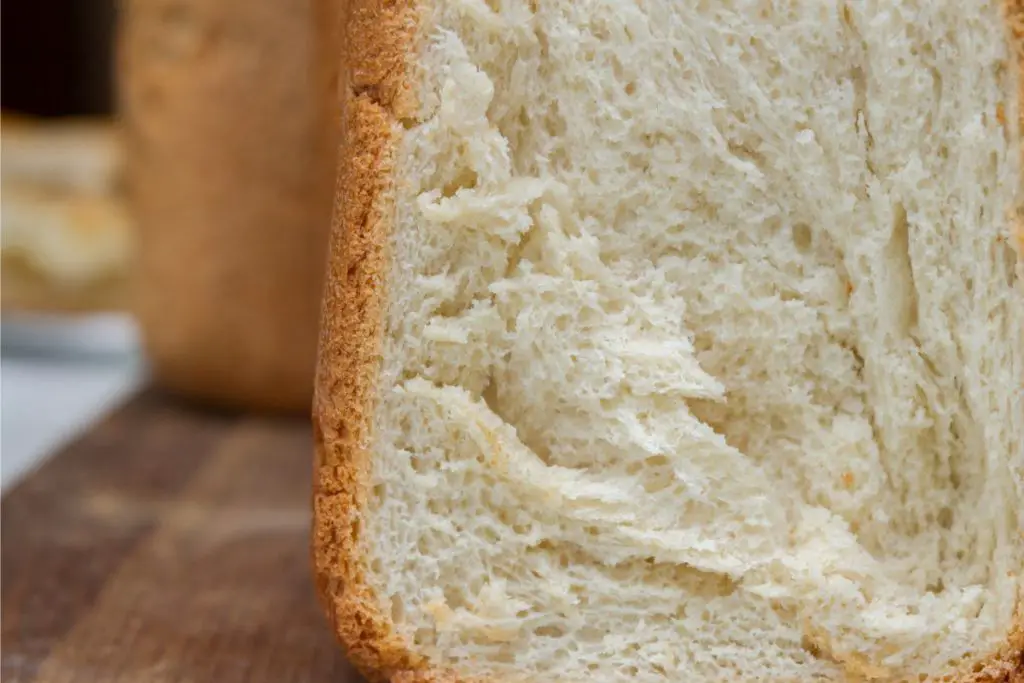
(702,353)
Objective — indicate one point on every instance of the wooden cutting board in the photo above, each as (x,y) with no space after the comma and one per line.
(166,545)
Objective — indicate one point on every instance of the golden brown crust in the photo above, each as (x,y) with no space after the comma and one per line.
(1014,10)
(377,97)
(377,41)
(1006,665)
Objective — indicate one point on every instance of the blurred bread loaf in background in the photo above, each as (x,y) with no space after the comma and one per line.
(230,158)
(66,232)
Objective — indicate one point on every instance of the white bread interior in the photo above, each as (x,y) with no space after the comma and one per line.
(703,353)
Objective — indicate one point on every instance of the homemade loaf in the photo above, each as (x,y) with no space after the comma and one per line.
(231,165)
(676,341)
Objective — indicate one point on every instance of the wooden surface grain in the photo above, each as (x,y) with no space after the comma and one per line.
(166,545)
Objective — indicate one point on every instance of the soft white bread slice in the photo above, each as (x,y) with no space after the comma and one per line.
(676,340)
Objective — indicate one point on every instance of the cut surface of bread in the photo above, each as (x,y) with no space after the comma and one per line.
(676,340)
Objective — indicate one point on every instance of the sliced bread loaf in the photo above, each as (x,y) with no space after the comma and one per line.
(671,340)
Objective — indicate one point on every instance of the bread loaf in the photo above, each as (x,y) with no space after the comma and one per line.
(231,160)
(676,341)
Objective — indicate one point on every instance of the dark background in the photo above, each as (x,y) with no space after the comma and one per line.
(56,57)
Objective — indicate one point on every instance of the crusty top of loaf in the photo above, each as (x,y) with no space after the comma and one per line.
(380,41)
